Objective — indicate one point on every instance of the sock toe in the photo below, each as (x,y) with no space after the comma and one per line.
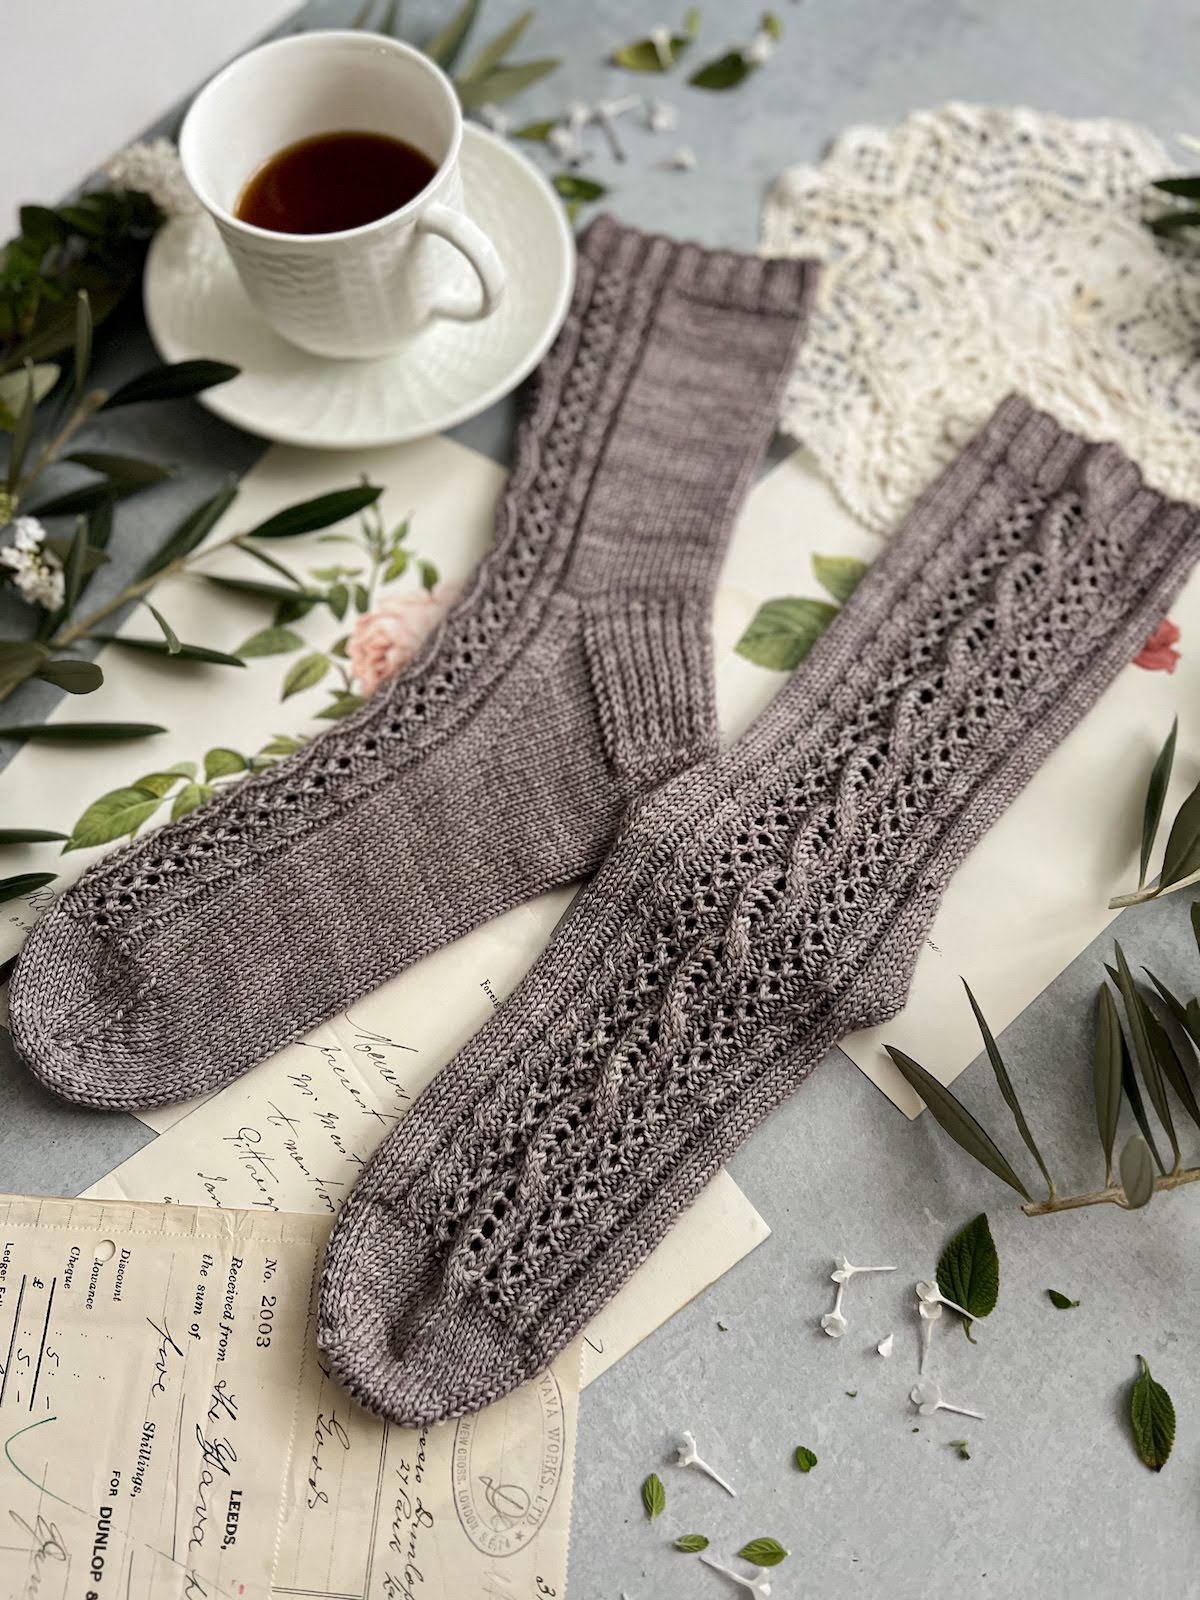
(73,999)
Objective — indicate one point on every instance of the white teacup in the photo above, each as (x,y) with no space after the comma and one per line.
(366,290)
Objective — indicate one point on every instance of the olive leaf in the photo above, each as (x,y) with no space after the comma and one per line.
(690,1543)
(1156,793)
(957,1121)
(22,430)
(445,46)
(654,1497)
(277,593)
(1181,858)
(805,1459)
(83,338)
(307,672)
(1147,1061)
(86,499)
(1186,188)
(1006,1088)
(24,883)
(116,815)
(44,375)
(264,558)
(121,469)
(270,642)
(573,186)
(505,82)
(1153,1418)
(1169,1063)
(1172,221)
(79,732)
(76,677)
(176,381)
(763,1552)
(783,631)
(1061,1301)
(160,647)
(839,575)
(194,528)
(494,52)
(28,836)
(1137,1175)
(1107,1063)
(1134,1095)
(1188,1021)
(170,638)
(968,1269)
(320,512)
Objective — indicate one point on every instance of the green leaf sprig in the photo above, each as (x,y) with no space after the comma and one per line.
(968,1270)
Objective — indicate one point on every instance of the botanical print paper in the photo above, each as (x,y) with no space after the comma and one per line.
(169,1432)
(1026,902)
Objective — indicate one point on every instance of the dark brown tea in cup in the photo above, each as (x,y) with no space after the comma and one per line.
(334,181)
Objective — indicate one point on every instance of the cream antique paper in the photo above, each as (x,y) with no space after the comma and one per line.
(169,1432)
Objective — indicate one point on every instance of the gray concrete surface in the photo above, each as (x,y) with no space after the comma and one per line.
(1053,1500)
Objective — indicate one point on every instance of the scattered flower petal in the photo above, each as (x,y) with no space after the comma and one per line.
(682,160)
(757,1584)
(1158,653)
(687,1455)
(845,1271)
(760,49)
(834,1324)
(927,1397)
(930,1294)
(661,116)
(885,1346)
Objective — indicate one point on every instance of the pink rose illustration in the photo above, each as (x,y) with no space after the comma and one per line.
(1158,653)
(386,639)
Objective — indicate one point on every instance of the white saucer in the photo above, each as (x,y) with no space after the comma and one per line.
(195,306)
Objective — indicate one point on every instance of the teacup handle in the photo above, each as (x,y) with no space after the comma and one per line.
(475,245)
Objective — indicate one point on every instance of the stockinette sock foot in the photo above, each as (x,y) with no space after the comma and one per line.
(573,674)
(753,911)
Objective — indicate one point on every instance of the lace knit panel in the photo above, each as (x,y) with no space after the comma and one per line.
(579,386)
(770,913)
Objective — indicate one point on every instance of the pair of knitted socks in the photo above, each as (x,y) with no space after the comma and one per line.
(757,904)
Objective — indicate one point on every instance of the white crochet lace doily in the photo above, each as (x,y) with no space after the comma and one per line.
(971,251)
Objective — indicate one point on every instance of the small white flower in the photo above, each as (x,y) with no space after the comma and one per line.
(757,1584)
(833,1322)
(37,571)
(682,160)
(759,50)
(564,144)
(930,1294)
(927,1398)
(661,116)
(605,115)
(154,169)
(930,1311)
(660,38)
(844,1272)
(687,1456)
(885,1345)
(495,118)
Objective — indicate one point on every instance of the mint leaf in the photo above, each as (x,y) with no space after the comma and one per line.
(805,1459)
(961,1446)
(839,575)
(763,1552)
(691,1543)
(654,1497)
(783,631)
(1153,1419)
(1057,1298)
(968,1271)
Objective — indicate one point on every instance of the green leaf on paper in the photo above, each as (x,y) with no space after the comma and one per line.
(170,638)
(1147,1061)
(10,836)
(805,1459)
(763,1552)
(1186,188)
(573,186)
(1156,792)
(505,82)
(189,533)
(783,631)
(654,1497)
(1170,1065)
(1006,1088)
(79,732)
(264,558)
(1137,1173)
(1107,1074)
(116,815)
(161,783)
(1182,855)
(445,46)
(1153,1417)
(12,391)
(726,72)
(307,672)
(188,798)
(1133,1094)
(160,647)
(1061,1301)
(968,1270)
(175,381)
(24,883)
(76,677)
(270,642)
(957,1121)
(223,763)
(321,512)
(839,575)
(691,1543)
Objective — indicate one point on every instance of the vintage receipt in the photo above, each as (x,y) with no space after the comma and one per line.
(169,1434)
